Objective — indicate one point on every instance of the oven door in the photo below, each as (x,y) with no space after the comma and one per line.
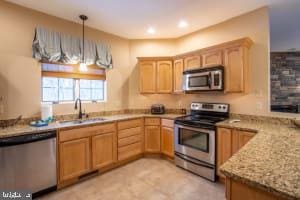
(197,81)
(195,142)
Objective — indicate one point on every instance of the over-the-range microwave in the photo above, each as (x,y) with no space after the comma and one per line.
(204,79)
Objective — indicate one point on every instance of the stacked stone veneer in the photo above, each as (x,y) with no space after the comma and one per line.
(285,78)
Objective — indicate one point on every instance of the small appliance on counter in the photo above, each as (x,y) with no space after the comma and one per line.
(157,109)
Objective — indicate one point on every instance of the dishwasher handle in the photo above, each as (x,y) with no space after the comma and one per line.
(24,139)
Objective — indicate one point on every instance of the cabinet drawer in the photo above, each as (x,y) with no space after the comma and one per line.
(167,123)
(129,132)
(129,150)
(129,124)
(152,121)
(129,140)
(76,133)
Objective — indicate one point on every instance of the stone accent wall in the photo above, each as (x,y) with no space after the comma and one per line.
(285,78)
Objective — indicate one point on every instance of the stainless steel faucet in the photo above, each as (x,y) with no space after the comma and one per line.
(80,114)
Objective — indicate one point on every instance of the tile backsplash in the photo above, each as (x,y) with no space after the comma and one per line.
(285,78)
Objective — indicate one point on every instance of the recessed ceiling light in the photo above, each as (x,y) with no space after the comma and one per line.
(151,30)
(182,24)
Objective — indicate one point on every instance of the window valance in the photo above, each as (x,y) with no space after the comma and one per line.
(53,47)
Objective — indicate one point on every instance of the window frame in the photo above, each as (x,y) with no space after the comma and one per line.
(92,100)
(76,92)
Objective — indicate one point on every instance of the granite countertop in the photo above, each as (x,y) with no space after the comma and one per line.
(269,161)
(26,129)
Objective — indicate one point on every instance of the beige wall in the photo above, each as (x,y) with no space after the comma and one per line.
(20,74)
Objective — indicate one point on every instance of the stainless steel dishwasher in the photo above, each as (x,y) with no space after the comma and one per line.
(28,163)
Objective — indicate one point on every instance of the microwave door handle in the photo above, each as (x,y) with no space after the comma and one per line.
(209,80)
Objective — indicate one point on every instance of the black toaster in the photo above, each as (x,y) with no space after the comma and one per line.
(157,109)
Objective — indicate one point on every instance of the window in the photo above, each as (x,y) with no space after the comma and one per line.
(58,90)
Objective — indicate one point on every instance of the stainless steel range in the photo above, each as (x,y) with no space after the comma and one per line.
(195,138)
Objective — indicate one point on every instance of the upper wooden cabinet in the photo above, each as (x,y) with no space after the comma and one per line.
(148,74)
(156,72)
(177,76)
(212,58)
(164,77)
(236,69)
(192,62)
(156,76)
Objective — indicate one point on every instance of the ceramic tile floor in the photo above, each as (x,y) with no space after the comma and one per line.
(147,178)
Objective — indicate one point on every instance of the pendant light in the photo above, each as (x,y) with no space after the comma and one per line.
(83,66)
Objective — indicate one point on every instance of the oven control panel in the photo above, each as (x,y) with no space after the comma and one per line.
(214,107)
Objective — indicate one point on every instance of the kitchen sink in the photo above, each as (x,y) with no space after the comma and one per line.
(82,121)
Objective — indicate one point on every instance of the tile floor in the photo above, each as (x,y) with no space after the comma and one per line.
(144,179)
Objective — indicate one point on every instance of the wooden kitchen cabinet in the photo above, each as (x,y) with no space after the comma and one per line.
(192,62)
(148,74)
(74,158)
(236,190)
(223,147)
(236,64)
(164,77)
(130,138)
(177,76)
(103,150)
(213,57)
(167,141)
(152,139)
(229,141)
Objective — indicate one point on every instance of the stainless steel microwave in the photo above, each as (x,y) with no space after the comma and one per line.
(204,79)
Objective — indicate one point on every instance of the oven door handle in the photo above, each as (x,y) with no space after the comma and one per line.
(194,129)
(196,162)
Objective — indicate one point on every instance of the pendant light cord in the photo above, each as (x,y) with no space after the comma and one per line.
(83,17)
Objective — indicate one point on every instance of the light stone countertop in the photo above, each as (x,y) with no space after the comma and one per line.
(27,129)
(269,161)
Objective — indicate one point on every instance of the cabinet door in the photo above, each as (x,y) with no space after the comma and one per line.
(234,69)
(167,141)
(164,77)
(103,150)
(152,139)
(223,147)
(74,158)
(177,75)
(244,137)
(212,58)
(147,76)
(192,62)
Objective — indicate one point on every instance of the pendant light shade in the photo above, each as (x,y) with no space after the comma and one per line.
(83,66)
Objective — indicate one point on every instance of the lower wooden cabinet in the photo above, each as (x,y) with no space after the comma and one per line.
(103,150)
(130,138)
(167,141)
(74,158)
(236,191)
(229,141)
(152,139)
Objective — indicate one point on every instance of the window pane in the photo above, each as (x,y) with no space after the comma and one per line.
(50,94)
(96,84)
(66,94)
(85,83)
(49,82)
(97,94)
(85,94)
(66,83)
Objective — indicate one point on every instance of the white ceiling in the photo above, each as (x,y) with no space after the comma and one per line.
(131,18)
